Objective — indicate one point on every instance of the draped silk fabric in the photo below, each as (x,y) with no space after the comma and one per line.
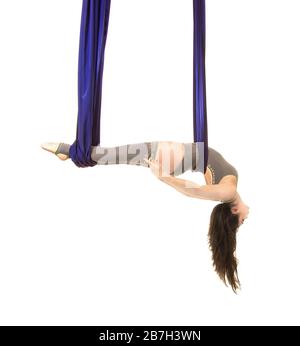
(93,35)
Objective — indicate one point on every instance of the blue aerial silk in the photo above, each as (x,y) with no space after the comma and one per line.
(93,35)
(199,89)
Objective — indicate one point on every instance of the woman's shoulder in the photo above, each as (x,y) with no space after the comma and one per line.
(227,179)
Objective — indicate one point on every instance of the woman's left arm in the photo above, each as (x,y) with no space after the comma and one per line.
(184,186)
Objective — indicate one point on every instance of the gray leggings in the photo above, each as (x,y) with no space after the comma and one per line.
(134,154)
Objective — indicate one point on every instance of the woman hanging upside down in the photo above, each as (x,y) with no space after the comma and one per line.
(167,160)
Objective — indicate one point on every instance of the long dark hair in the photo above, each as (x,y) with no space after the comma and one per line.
(222,242)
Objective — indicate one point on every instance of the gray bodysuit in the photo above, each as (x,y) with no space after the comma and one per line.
(219,167)
(136,153)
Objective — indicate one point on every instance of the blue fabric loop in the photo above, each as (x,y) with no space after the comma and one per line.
(93,35)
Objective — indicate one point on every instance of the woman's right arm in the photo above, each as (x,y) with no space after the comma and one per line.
(214,192)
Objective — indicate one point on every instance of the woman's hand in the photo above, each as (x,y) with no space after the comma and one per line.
(156,169)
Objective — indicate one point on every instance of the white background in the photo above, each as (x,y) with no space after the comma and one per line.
(113,245)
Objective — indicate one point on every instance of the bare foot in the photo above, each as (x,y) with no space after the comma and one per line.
(52,148)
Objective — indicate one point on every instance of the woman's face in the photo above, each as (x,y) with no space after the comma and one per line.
(243,212)
(242,209)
